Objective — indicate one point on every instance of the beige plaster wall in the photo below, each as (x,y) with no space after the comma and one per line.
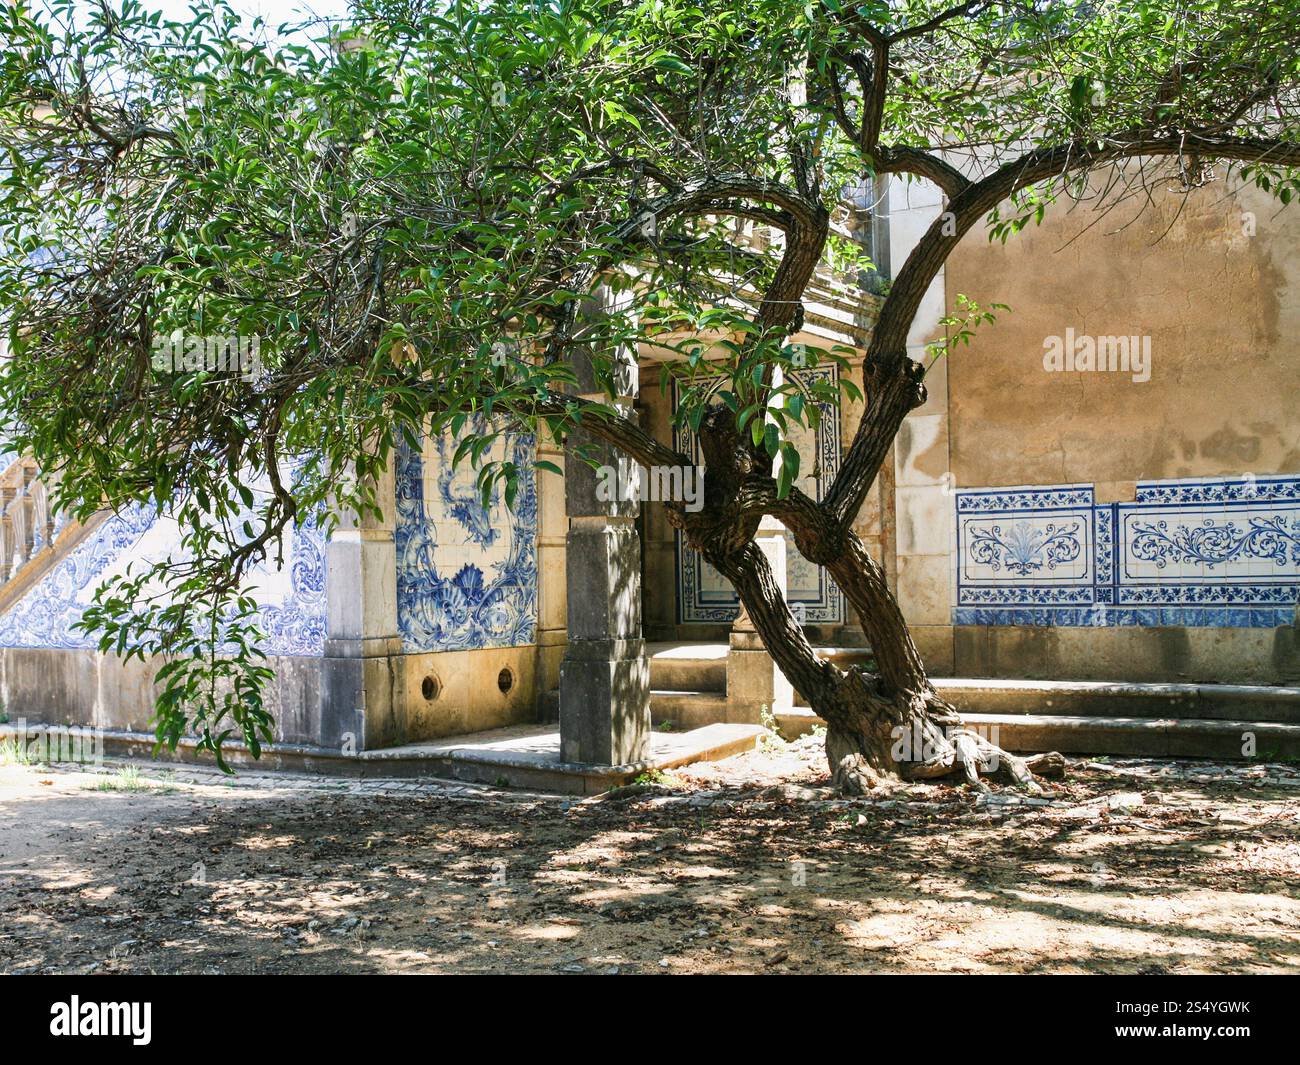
(1222,312)
(552,594)
(917,490)
(468,691)
(1214,280)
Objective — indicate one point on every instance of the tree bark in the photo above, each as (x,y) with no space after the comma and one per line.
(890,724)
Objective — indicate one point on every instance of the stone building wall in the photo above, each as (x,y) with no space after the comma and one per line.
(52,673)
(1201,439)
(1020,518)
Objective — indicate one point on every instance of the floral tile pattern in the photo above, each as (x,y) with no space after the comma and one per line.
(466,575)
(1216,552)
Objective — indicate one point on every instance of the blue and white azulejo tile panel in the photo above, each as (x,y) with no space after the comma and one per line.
(291,599)
(466,574)
(1217,552)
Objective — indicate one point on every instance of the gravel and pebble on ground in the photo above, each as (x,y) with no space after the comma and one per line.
(751,864)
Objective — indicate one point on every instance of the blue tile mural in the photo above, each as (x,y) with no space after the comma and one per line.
(292,599)
(1216,552)
(704,595)
(466,575)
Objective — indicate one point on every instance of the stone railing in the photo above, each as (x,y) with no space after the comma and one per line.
(836,305)
(26,523)
(32,538)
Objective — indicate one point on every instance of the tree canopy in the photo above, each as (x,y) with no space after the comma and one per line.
(410,212)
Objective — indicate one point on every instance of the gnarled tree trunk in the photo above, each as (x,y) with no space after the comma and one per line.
(888,724)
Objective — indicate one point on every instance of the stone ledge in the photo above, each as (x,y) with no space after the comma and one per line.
(1146,737)
(521,756)
(1121,699)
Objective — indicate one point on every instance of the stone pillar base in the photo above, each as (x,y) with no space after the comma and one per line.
(605,702)
(357,709)
(753,682)
(753,679)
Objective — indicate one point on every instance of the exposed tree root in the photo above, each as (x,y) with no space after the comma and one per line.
(931,745)
(853,775)
(974,756)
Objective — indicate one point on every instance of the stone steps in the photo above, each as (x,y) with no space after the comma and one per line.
(1229,702)
(1141,736)
(702,667)
(688,684)
(1144,737)
(687,709)
(680,709)
(688,667)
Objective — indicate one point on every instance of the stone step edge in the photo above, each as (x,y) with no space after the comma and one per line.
(1223,696)
(688,693)
(1183,700)
(1174,737)
(1136,689)
(803,715)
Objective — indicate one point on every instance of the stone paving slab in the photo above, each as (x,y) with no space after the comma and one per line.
(529,756)
(525,756)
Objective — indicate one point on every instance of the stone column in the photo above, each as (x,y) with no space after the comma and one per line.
(605,675)
(753,679)
(357,706)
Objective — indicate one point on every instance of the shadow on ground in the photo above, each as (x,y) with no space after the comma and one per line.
(1186,878)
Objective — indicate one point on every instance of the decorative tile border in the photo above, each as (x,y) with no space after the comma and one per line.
(705,596)
(1219,490)
(466,575)
(1023,497)
(1188,617)
(1207,552)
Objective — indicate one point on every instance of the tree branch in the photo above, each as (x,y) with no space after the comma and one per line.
(971,7)
(893,382)
(926,165)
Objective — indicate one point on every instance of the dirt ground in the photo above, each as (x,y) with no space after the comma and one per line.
(745,866)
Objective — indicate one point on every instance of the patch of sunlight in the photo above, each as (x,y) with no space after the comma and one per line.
(546,933)
(265,843)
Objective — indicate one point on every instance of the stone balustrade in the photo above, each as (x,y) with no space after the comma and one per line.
(837,306)
(27,525)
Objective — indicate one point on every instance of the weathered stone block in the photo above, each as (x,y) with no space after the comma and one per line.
(753,681)
(605,702)
(588,492)
(603,581)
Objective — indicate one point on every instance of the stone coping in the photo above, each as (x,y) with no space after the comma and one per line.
(518,756)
